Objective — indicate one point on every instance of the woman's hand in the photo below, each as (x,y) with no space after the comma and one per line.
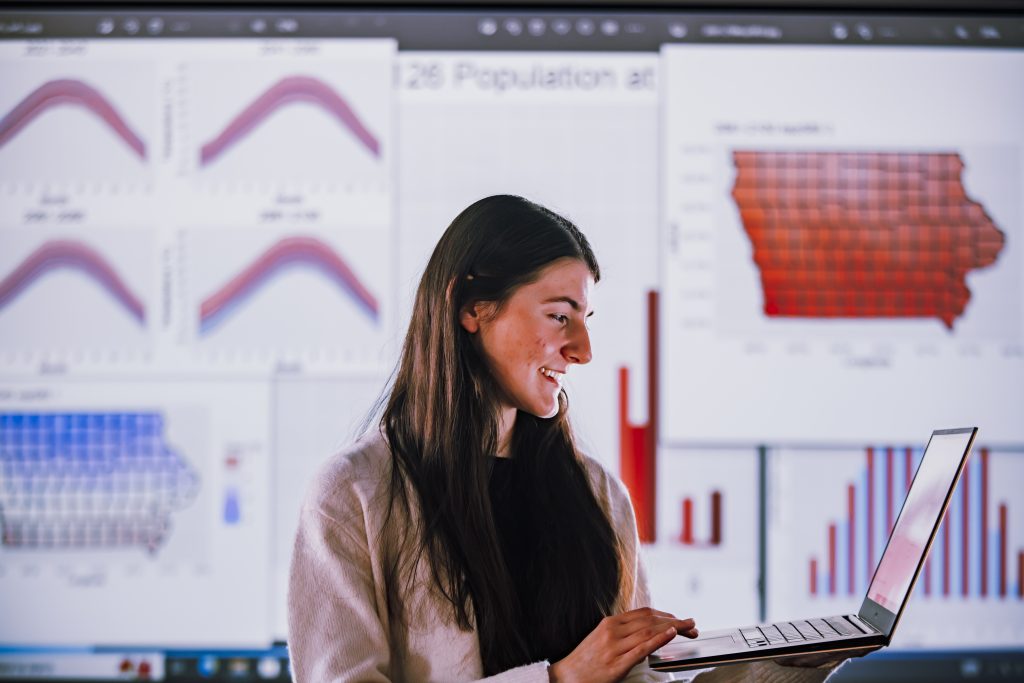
(619,643)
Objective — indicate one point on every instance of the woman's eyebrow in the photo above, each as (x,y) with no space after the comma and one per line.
(566,299)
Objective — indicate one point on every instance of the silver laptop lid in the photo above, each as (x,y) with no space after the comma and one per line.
(934,482)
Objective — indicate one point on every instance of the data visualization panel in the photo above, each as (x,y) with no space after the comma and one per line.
(303,112)
(123,507)
(314,296)
(826,541)
(78,118)
(707,536)
(855,237)
(73,294)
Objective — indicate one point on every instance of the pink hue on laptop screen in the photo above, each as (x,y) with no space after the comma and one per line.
(918,519)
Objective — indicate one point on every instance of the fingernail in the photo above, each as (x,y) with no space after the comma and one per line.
(670,631)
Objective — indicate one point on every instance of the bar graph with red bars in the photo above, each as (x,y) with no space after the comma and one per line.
(638,442)
(971,556)
(713,522)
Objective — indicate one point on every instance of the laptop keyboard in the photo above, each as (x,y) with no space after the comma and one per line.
(798,631)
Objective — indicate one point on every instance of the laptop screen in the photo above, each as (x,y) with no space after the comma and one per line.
(919,518)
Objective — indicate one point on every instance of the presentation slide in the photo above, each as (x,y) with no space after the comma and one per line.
(810,259)
(841,248)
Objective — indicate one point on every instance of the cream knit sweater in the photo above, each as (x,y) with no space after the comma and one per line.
(337,620)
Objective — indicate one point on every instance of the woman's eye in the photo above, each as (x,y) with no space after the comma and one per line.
(560,318)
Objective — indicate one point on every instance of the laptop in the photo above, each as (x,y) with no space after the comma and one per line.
(874,624)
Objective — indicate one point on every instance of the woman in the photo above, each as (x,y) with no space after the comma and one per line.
(467,536)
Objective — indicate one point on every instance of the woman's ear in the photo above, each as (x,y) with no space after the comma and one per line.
(469,318)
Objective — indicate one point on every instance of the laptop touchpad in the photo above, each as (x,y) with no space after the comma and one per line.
(696,648)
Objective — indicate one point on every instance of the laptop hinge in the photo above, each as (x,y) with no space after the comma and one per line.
(864,625)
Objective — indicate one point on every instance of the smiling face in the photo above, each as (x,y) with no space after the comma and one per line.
(532,340)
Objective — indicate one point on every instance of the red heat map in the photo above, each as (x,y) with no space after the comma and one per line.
(863,234)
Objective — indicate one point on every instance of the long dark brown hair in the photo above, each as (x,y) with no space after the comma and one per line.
(441,422)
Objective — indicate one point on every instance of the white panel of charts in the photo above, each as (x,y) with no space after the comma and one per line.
(842,257)
(545,126)
(704,563)
(125,151)
(830,514)
(129,509)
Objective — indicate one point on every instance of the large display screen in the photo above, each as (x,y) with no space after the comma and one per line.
(212,222)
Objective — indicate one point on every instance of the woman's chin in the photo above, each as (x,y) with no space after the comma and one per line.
(544,409)
(548,412)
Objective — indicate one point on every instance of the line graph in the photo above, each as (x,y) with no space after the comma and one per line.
(291,251)
(248,120)
(260,296)
(287,91)
(63,92)
(63,253)
(89,481)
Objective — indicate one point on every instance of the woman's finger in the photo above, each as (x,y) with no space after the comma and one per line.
(642,632)
(643,613)
(636,654)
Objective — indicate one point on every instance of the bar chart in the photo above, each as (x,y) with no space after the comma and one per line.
(825,540)
(714,517)
(970,557)
(637,442)
(708,532)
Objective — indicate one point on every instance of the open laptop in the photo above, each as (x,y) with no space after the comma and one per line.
(934,482)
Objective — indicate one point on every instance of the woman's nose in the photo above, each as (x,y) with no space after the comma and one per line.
(578,348)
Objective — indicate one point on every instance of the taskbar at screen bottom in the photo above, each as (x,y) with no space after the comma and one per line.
(241,666)
(106,664)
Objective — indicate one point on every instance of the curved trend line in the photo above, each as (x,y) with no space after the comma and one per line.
(286,91)
(286,252)
(58,253)
(67,91)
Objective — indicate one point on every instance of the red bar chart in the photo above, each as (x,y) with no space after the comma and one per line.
(713,538)
(972,555)
(707,534)
(828,524)
(638,443)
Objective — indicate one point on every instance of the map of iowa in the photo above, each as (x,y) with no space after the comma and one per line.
(862,234)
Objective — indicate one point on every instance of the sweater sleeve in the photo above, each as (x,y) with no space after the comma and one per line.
(337,626)
(334,631)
